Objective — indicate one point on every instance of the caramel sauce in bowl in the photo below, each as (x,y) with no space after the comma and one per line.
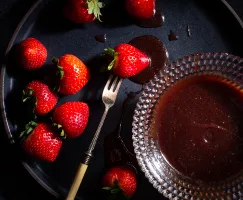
(188,128)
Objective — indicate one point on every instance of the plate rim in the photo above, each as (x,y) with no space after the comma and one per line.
(2,104)
(3,71)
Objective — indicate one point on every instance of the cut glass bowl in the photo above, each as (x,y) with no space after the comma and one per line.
(160,174)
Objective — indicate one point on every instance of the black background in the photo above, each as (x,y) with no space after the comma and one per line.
(15,182)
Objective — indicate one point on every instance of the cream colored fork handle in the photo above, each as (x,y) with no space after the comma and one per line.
(83,166)
(77,181)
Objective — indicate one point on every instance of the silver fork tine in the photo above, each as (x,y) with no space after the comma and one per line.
(114,84)
(108,82)
(118,85)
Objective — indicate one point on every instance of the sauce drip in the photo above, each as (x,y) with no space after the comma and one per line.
(101,38)
(157,52)
(173,36)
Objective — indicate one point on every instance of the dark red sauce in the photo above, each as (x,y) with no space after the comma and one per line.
(157,53)
(199,122)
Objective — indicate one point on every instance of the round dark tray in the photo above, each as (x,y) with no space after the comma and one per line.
(213,27)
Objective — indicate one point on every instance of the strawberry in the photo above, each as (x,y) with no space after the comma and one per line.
(83,11)
(71,118)
(41,142)
(32,54)
(127,60)
(141,9)
(73,74)
(45,100)
(120,181)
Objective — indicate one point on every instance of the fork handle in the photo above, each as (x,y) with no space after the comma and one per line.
(84,165)
(77,181)
(97,133)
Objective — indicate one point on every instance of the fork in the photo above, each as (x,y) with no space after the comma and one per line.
(108,97)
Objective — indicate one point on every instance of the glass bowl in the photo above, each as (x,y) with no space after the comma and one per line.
(160,174)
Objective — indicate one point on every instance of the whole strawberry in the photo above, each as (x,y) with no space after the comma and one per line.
(142,9)
(72,118)
(42,142)
(73,74)
(127,60)
(32,54)
(83,11)
(45,100)
(120,181)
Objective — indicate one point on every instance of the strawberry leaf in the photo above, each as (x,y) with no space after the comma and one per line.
(56,88)
(60,72)
(59,130)
(94,7)
(28,129)
(29,98)
(90,7)
(55,60)
(111,64)
(106,188)
(59,75)
(116,190)
(27,94)
(111,52)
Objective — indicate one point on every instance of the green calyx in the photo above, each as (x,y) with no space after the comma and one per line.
(27,94)
(94,7)
(112,190)
(28,129)
(115,192)
(28,97)
(59,130)
(111,53)
(60,72)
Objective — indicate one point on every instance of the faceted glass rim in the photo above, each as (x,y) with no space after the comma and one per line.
(160,174)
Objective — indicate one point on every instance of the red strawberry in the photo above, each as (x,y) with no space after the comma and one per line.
(42,143)
(45,99)
(83,11)
(32,54)
(127,60)
(73,74)
(119,180)
(142,9)
(72,118)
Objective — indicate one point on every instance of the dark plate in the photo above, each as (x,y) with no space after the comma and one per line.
(213,27)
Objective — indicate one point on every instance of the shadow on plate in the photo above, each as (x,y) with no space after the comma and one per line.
(225,23)
(52,20)
(114,14)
